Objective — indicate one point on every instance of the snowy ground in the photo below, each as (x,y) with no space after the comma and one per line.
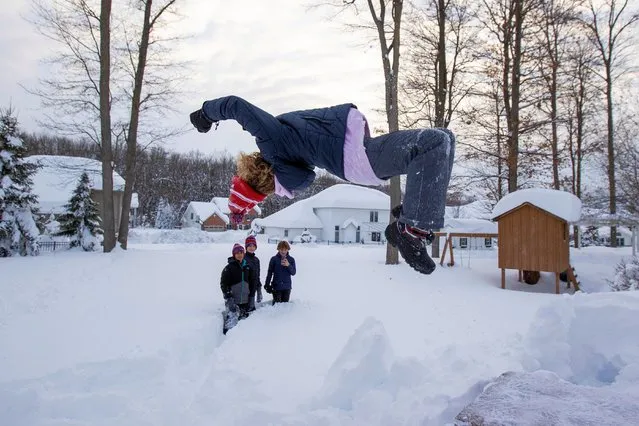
(134,338)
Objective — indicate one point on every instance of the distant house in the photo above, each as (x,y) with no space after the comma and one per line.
(214,215)
(471,218)
(624,236)
(473,226)
(58,176)
(342,213)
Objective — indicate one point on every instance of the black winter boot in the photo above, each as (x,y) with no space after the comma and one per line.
(411,246)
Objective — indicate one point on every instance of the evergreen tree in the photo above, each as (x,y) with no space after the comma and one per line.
(81,221)
(166,217)
(18,230)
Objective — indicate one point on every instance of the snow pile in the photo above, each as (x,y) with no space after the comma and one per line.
(363,364)
(587,339)
(542,398)
(183,236)
(368,383)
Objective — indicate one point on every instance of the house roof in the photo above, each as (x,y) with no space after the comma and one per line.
(562,204)
(350,197)
(223,204)
(302,213)
(476,226)
(204,210)
(59,175)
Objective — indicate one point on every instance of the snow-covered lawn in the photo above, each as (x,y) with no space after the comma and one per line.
(134,338)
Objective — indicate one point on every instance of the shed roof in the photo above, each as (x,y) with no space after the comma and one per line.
(561,204)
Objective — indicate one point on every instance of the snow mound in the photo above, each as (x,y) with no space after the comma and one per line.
(542,398)
(183,236)
(587,339)
(363,364)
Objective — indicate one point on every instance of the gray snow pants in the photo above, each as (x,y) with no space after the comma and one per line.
(426,158)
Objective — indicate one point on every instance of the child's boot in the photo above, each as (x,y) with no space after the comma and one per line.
(410,243)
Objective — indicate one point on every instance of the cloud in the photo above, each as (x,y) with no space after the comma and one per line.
(277,54)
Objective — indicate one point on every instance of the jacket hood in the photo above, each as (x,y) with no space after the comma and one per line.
(234,260)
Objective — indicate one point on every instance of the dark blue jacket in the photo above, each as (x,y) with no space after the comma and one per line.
(281,274)
(294,142)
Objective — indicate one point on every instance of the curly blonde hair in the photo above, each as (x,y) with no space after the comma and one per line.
(254,170)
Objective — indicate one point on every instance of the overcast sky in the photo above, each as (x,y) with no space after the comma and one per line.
(276,54)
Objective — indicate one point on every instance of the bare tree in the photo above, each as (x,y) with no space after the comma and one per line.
(108,219)
(149,21)
(437,80)
(609,26)
(505,96)
(386,16)
(75,89)
(627,133)
(558,18)
(578,104)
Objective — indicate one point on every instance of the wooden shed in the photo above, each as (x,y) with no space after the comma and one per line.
(533,228)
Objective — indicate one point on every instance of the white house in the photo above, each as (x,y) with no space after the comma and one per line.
(624,236)
(342,213)
(213,215)
(58,176)
(472,226)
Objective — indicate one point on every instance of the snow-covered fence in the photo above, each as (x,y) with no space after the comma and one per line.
(53,245)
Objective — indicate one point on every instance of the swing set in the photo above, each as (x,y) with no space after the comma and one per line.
(449,243)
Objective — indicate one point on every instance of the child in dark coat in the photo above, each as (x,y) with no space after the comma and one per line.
(338,140)
(280,269)
(250,244)
(238,287)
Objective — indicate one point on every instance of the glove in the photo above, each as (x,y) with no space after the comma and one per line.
(268,288)
(199,120)
(259,295)
(237,218)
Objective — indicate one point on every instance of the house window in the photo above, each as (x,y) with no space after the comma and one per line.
(376,236)
(191,215)
(286,232)
(488,242)
(463,242)
(374,216)
(337,233)
(357,234)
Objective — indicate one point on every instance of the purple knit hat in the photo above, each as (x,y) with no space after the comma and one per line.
(237,248)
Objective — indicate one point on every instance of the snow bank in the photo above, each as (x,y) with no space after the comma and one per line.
(542,398)
(587,339)
(183,236)
(363,364)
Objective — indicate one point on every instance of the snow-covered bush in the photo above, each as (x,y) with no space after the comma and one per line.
(626,275)
(81,221)
(305,237)
(18,230)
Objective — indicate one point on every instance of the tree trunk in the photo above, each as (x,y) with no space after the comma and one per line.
(132,139)
(553,123)
(108,219)
(391,73)
(442,75)
(513,118)
(612,185)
